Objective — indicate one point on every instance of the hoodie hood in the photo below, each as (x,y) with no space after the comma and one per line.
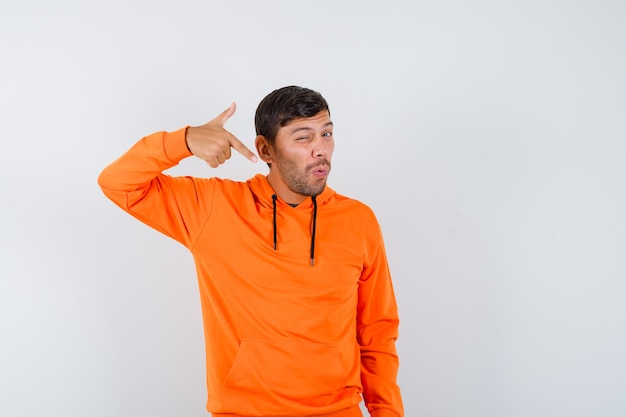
(267,197)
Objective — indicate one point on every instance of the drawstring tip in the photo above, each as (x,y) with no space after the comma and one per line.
(312,262)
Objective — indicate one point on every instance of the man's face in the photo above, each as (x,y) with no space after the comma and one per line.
(301,157)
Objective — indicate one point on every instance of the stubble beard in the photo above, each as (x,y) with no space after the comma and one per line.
(299,181)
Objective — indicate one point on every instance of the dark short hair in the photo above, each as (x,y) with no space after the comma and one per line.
(282,106)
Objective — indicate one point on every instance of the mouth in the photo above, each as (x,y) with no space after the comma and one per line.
(321,171)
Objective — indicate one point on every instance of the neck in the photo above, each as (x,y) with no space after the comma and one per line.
(285,194)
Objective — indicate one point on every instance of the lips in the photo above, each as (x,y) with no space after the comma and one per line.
(321,171)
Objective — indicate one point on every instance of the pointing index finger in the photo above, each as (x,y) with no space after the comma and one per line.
(237,145)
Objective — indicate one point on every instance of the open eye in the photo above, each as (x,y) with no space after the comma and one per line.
(327,134)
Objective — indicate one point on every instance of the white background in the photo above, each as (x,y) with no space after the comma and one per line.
(488,136)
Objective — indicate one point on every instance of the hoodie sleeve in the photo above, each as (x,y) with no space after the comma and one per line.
(136,183)
(377,331)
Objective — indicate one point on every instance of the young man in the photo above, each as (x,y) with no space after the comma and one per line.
(299,312)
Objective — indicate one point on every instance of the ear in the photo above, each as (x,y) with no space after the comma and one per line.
(264,149)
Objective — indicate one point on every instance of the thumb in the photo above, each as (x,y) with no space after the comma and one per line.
(226,114)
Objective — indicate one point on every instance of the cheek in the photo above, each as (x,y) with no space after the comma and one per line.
(297,156)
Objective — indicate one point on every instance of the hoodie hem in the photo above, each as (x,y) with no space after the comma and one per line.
(346,412)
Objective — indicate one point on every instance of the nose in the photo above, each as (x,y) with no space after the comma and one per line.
(321,148)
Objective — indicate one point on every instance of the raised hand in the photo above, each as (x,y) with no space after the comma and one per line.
(212,143)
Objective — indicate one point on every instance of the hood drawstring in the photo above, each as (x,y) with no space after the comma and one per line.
(274,204)
(313,226)
(313,231)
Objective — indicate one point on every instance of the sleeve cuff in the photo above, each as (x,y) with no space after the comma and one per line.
(175,145)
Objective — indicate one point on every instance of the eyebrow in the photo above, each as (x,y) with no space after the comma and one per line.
(310,128)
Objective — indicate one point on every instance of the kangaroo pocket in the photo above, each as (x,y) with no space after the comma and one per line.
(306,373)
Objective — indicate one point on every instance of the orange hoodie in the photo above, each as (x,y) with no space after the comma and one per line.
(285,335)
